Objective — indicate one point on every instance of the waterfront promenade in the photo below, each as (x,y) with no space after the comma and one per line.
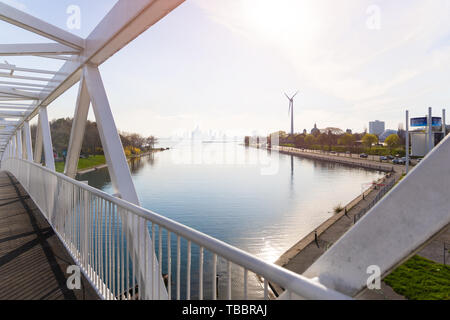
(372,162)
(33,261)
(306,251)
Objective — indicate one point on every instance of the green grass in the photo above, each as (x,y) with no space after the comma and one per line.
(421,279)
(90,162)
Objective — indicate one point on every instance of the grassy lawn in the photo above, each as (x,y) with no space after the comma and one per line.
(421,279)
(92,161)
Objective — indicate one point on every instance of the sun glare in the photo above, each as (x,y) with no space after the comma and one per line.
(289,20)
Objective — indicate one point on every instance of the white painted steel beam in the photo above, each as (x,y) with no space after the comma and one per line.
(24,147)
(13,68)
(19,93)
(38,142)
(11,113)
(46,139)
(119,171)
(28,144)
(77,131)
(398,226)
(13,76)
(123,23)
(112,145)
(36,49)
(35,85)
(57,57)
(40,27)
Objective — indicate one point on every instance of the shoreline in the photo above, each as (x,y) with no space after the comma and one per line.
(351,161)
(310,237)
(306,251)
(105,165)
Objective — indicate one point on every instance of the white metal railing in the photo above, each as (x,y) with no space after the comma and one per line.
(91,224)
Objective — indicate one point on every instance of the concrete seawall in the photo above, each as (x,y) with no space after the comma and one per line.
(355,162)
(308,249)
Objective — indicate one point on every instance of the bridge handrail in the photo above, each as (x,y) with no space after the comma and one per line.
(290,281)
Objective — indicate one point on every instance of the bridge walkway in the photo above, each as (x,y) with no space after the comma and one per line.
(33,261)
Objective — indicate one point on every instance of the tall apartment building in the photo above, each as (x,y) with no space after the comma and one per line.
(376,127)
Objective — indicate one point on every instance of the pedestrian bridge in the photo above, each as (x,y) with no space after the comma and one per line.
(128,252)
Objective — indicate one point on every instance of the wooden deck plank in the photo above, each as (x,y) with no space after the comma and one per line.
(33,261)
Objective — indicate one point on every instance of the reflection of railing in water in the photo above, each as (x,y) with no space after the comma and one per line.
(97,229)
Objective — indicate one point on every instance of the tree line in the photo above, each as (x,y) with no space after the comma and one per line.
(335,139)
(133,143)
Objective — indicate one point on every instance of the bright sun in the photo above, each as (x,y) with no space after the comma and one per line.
(282,19)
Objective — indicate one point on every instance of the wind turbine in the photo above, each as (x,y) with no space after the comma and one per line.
(291,110)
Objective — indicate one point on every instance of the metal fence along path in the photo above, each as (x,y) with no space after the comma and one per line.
(96,229)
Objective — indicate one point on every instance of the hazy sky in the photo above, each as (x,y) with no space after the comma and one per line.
(225,64)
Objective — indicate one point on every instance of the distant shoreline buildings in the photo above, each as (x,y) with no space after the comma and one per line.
(376,127)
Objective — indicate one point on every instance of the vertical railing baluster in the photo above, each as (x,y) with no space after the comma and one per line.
(139,272)
(160,259)
(113,245)
(169,266)
(178,267)
(153,253)
(266,289)
(133,259)
(97,240)
(127,217)
(229,280)
(146,278)
(214,277)
(245,284)
(188,271)
(122,249)
(200,275)
(91,237)
(103,247)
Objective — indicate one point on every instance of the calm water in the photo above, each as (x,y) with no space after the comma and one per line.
(259,201)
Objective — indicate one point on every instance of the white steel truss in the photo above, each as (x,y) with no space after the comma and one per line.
(23,97)
(125,21)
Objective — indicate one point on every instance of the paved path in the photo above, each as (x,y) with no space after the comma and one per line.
(304,253)
(308,250)
(372,162)
(33,261)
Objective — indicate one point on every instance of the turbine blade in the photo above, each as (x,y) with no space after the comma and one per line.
(287,96)
(294,95)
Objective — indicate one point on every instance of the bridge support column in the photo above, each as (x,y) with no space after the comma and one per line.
(122,182)
(78,128)
(28,145)
(19,143)
(38,142)
(112,145)
(14,145)
(46,139)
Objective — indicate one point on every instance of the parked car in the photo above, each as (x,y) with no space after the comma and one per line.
(404,160)
(383,158)
(363,155)
(398,161)
(347,152)
(333,152)
(390,157)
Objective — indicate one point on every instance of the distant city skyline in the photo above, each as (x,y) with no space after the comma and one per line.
(222,66)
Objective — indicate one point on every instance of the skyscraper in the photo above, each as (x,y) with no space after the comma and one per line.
(376,127)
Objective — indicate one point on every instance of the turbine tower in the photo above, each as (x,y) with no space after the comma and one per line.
(291,110)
